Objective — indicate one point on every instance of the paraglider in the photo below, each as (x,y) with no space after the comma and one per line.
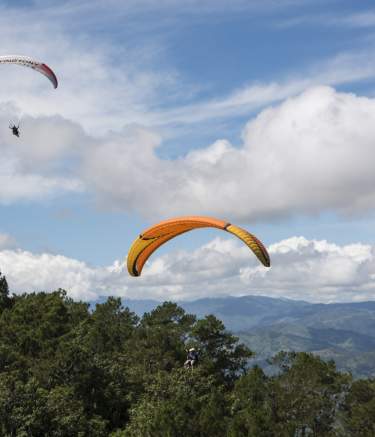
(31,63)
(15,129)
(191,358)
(151,239)
(35,65)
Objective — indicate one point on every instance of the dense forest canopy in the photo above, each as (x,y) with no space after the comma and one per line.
(70,370)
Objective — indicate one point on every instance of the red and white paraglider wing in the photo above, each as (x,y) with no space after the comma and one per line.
(31,63)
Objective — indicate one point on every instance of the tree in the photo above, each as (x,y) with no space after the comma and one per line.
(92,360)
(306,394)
(5,300)
(111,326)
(69,370)
(220,353)
(28,409)
(181,404)
(251,411)
(360,408)
(159,343)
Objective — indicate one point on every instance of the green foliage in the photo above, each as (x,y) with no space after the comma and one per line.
(111,327)
(27,409)
(159,341)
(68,370)
(251,406)
(180,403)
(5,300)
(306,393)
(220,353)
(360,406)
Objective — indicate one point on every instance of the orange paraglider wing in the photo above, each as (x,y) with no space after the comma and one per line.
(152,238)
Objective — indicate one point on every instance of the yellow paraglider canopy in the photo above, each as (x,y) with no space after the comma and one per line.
(152,238)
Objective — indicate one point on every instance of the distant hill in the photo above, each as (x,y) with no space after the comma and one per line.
(237,313)
(344,332)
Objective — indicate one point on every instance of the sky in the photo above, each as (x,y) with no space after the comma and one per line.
(258,112)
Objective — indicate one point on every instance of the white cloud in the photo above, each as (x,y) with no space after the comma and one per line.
(311,270)
(312,153)
(341,69)
(105,85)
(35,166)
(26,272)
(20,186)
(316,271)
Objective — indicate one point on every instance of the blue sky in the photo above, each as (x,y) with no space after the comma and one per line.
(258,112)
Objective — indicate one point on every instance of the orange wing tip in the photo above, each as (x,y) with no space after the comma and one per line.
(252,242)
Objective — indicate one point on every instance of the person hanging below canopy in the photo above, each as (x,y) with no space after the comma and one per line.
(191,359)
(15,129)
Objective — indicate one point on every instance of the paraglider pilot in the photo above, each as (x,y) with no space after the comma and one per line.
(15,129)
(192,358)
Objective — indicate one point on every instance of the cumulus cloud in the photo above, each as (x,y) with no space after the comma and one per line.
(316,271)
(38,165)
(16,186)
(26,272)
(311,153)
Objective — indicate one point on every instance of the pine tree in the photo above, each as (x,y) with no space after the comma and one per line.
(5,300)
